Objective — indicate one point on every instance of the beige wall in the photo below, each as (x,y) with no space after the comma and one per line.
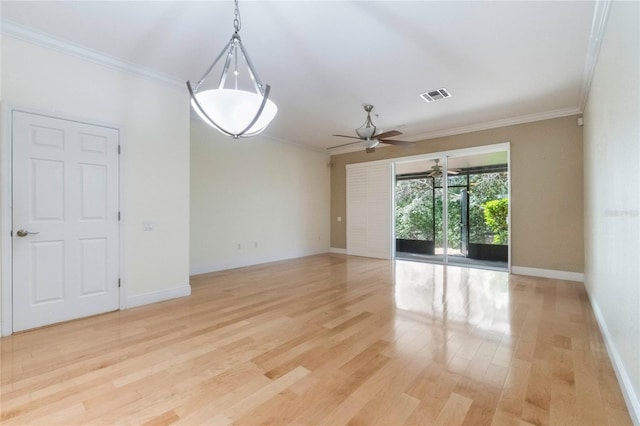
(546,191)
(612,194)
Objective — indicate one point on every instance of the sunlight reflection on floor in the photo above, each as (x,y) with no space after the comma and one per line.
(476,298)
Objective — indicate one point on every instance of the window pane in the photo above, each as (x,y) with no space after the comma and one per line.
(488,208)
(414,209)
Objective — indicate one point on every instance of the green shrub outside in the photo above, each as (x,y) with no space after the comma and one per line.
(495,216)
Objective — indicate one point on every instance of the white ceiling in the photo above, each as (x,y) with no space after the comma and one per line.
(502,61)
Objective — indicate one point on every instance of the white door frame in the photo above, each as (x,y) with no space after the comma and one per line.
(6,187)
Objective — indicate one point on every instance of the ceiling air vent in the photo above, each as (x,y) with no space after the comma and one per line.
(435,95)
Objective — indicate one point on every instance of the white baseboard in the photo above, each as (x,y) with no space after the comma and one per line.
(631,398)
(548,273)
(242,263)
(157,296)
(337,250)
(232,264)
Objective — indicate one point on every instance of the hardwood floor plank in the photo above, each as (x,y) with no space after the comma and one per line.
(209,402)
(454,411)
(538,397)
(325,340)
(386,409)
(266,393)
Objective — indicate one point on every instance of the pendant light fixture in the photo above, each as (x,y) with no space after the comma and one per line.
(227,108)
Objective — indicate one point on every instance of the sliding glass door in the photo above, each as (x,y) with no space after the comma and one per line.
(471,228)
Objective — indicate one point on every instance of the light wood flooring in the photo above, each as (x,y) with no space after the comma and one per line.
(325,340)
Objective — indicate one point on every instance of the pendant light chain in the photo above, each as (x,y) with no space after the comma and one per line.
(237,23)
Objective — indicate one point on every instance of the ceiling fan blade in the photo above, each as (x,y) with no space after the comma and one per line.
(344,144)
(389,134)
(394,142)
(345,136)
(453,172)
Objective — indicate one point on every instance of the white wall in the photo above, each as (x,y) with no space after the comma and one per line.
(154,121)
(612,194)
(255,191)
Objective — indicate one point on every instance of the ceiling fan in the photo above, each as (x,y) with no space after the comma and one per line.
(368,137)
(436,170)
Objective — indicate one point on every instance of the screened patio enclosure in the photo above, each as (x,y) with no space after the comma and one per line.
(471,228)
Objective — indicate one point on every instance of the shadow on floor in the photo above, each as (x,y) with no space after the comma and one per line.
(457,260)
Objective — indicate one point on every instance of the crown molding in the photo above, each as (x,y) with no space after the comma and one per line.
(529,118)
(522,119)
(20,32)
(598,27)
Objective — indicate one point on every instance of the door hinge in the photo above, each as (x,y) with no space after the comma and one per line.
(118,282)
(119,150)
(118,216)
(11,233)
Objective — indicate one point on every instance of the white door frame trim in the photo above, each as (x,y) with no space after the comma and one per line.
(6,287)
(6,187)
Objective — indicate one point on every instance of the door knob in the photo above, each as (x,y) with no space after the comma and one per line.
(24,233)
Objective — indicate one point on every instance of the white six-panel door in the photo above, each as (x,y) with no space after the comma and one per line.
(65,196)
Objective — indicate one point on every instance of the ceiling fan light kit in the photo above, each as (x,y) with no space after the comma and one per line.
(232,111)
(370,143)
(436,170)
(368,137)
(367,130)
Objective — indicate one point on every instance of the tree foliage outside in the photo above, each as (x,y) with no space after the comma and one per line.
(415,202)
(495,216)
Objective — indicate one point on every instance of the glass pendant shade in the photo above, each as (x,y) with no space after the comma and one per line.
(231,111)
(368,129)
(228,107)
(366,132)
